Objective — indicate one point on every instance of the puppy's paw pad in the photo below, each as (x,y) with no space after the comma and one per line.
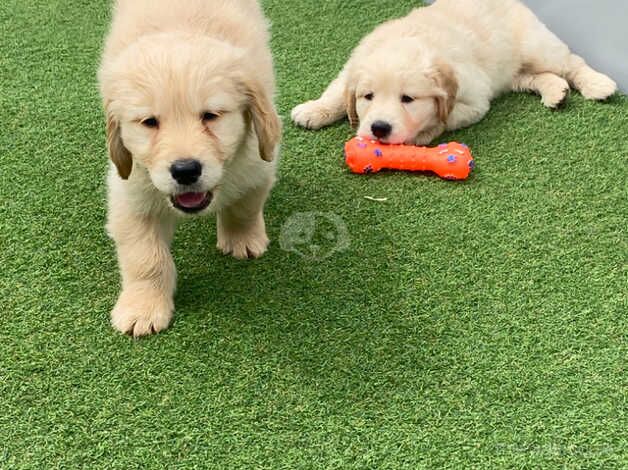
(242,246)
(138,315)
(310,115)
(598,87)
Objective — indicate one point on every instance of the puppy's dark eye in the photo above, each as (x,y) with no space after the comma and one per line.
(207,116)
(407,99)
(368,96)
(150,122)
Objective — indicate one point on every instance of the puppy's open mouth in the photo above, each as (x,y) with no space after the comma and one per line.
(191,202)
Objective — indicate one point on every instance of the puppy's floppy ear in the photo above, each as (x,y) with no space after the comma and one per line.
(447,85)
(265,120)
(118,153)
(350,100)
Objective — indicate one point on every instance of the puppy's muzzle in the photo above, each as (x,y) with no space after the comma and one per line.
(186,172)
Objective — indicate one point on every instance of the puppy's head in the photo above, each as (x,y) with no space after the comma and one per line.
(397,90)
(180,107)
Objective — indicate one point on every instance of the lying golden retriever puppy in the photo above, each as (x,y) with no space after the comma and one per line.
(439,68)
(191,128)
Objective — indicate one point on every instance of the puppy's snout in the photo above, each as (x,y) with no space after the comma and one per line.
(186,171)
(381,129)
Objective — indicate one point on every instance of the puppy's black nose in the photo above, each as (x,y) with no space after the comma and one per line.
(381,129)
(186,171)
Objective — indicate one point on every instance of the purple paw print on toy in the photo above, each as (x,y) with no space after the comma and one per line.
(362,145)
(472,164)
(452,159)
(378,153)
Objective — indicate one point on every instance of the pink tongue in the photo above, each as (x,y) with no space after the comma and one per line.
(190,200)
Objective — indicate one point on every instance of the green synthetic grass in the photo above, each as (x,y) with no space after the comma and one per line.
(478,324)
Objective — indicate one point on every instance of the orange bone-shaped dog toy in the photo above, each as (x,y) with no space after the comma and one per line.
(452,161)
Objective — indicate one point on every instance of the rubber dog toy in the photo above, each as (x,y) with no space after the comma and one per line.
(452,161)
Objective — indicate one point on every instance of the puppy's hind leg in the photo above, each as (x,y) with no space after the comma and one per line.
(552,88)
(329,108)
(542,51)
(592,84)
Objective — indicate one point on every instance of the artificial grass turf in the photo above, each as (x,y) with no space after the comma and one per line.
(474,324)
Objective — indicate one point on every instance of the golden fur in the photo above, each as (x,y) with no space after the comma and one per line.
(439,68)
(183,80)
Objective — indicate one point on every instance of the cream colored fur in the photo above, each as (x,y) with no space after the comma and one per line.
(175,61)
(451,58)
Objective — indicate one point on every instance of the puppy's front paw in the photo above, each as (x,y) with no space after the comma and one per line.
(427,136)
(243,244)
(311,115)
(142,311)
(597,86)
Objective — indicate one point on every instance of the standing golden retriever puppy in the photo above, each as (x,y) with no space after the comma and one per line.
(439,68)
(191,128)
